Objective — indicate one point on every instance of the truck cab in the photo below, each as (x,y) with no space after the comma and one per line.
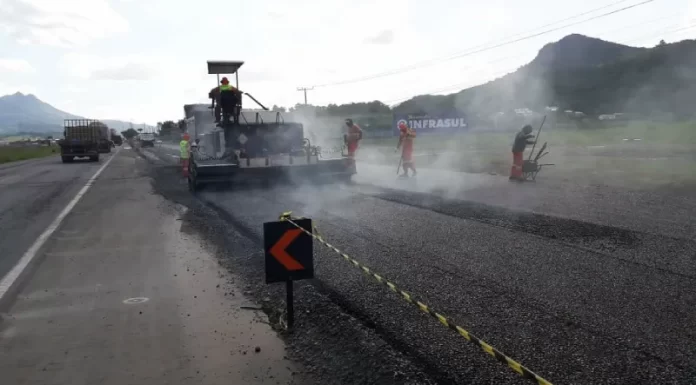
(147,139)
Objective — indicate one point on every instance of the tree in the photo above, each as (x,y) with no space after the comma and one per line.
(129,133)
(182,125)
(167,128)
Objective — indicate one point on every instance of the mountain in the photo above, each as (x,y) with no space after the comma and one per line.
(28,114)
(578,51)
(581,73)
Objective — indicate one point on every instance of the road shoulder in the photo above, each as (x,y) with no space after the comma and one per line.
(127,294)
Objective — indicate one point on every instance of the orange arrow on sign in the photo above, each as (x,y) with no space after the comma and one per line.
(278,250)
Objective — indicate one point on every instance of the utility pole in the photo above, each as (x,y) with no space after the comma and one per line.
(305,89)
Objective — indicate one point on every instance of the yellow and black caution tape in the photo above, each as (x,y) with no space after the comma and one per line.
(497,354)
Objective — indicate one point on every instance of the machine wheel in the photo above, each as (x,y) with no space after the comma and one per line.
(193,186)
(348,179)
(67,159)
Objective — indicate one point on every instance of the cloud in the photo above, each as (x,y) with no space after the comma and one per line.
(70,89)
(382,38)
(127,71)
(15,65)
(64,23)
(7,89)
(690,14)
(116,68)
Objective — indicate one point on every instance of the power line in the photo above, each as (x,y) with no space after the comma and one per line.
(461,86)
(458,87)
(483,49)
(642,23)
(566,19)
(662,33)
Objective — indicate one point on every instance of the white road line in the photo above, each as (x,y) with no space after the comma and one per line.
(11,278)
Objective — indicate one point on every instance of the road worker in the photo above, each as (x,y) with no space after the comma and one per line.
(352,137)
(522,139)
(228,98)
(184,153)
(406,138)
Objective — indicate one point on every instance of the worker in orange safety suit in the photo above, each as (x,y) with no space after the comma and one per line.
(522,139)
(406,138)
(352,137)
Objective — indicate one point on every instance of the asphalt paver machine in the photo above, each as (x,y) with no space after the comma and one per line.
(244,146)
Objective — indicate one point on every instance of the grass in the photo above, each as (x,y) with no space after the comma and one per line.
(13,154)
(665,154)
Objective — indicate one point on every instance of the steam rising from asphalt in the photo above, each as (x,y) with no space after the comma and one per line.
(326,132)
(480,159)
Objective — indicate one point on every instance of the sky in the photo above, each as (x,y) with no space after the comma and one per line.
(142,60)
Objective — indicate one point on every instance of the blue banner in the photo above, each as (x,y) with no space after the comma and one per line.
(425,124)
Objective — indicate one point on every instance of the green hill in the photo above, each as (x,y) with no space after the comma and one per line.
(584,74)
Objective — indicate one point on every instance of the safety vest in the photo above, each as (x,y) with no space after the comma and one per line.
(226,87)
(183,148)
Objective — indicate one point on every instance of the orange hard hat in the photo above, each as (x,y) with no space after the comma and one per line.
(224,81)
(186,136)
(402,125)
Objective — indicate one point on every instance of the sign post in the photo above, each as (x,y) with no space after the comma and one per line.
(289,256)
(289,303)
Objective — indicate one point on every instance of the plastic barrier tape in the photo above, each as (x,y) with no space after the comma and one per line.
(498,355)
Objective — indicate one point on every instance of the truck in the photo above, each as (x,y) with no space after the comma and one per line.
(147,139)
(104,138)
(80,140)
(115,137)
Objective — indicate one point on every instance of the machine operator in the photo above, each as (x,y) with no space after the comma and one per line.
(228,98)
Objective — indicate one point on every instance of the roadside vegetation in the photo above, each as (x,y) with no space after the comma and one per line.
(15,153)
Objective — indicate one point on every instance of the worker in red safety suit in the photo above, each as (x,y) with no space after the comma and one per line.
(522,139)
(406,138)
(352,137)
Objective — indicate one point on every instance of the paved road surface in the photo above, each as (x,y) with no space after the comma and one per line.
(81,319)
(32,193)
(666,212)
(572,300)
